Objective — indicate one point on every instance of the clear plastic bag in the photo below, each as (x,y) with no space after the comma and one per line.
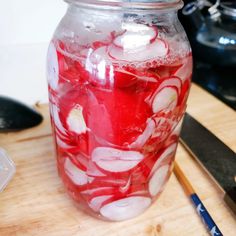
(7,169)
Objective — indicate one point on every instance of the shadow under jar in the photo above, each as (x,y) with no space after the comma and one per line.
(118,78)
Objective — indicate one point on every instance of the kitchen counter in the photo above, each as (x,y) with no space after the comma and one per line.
(35,203)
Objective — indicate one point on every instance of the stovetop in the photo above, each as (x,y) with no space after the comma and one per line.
(219,81)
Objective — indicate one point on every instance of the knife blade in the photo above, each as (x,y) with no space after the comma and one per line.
(213,155)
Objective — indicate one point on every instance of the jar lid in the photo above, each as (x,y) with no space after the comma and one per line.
(139,4)
(7,169)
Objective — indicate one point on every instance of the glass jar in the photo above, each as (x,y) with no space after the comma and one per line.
(118,78)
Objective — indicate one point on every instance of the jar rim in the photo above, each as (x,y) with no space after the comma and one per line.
(131,4)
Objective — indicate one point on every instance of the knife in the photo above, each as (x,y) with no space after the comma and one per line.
(213,155)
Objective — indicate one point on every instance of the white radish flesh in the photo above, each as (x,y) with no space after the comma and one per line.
(76,175)
(125,208)
(157,180)
(135,35)
(166,98)
(75,120)
(116,160)
(157,49)
(147,133)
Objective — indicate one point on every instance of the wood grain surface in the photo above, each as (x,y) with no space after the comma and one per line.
(35,203)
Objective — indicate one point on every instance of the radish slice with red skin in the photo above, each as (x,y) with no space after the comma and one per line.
(75,120)
(116,160)
(164,155)
(158,48)
(125,208)
(62,144)
(57,120)
(173,82)
(76,175)
(147,133)
(165,99)
(158,179)
(64,137)
(135,36)
(97,202)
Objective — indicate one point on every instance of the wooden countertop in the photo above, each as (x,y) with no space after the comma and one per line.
(35,203)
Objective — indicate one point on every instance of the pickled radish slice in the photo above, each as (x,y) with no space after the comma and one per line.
(147,133)
(62,144)
(125,208)
(98,191)
(157,180)
(52,67)
(135,36)
(57,119)
(158,48)
(75,120)
(185,71)
(97,202)
(166,98)
(144,76)
(76,175)
(177,129)
(79,160)
(116,160)
(126,187)
(166,95)
(173,81)
(92,170)
(167,152)
(97,56)
(108,181)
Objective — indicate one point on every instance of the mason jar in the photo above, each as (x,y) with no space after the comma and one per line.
(118,78)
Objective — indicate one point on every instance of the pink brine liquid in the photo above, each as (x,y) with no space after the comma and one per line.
(116,116)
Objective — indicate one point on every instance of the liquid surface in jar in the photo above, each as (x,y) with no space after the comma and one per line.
(116,108)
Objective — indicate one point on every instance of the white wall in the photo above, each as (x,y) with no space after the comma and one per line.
(26,27)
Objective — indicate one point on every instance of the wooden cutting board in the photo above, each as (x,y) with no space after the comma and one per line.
(35,203)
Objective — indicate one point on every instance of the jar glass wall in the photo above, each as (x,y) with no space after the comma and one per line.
(118,80)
